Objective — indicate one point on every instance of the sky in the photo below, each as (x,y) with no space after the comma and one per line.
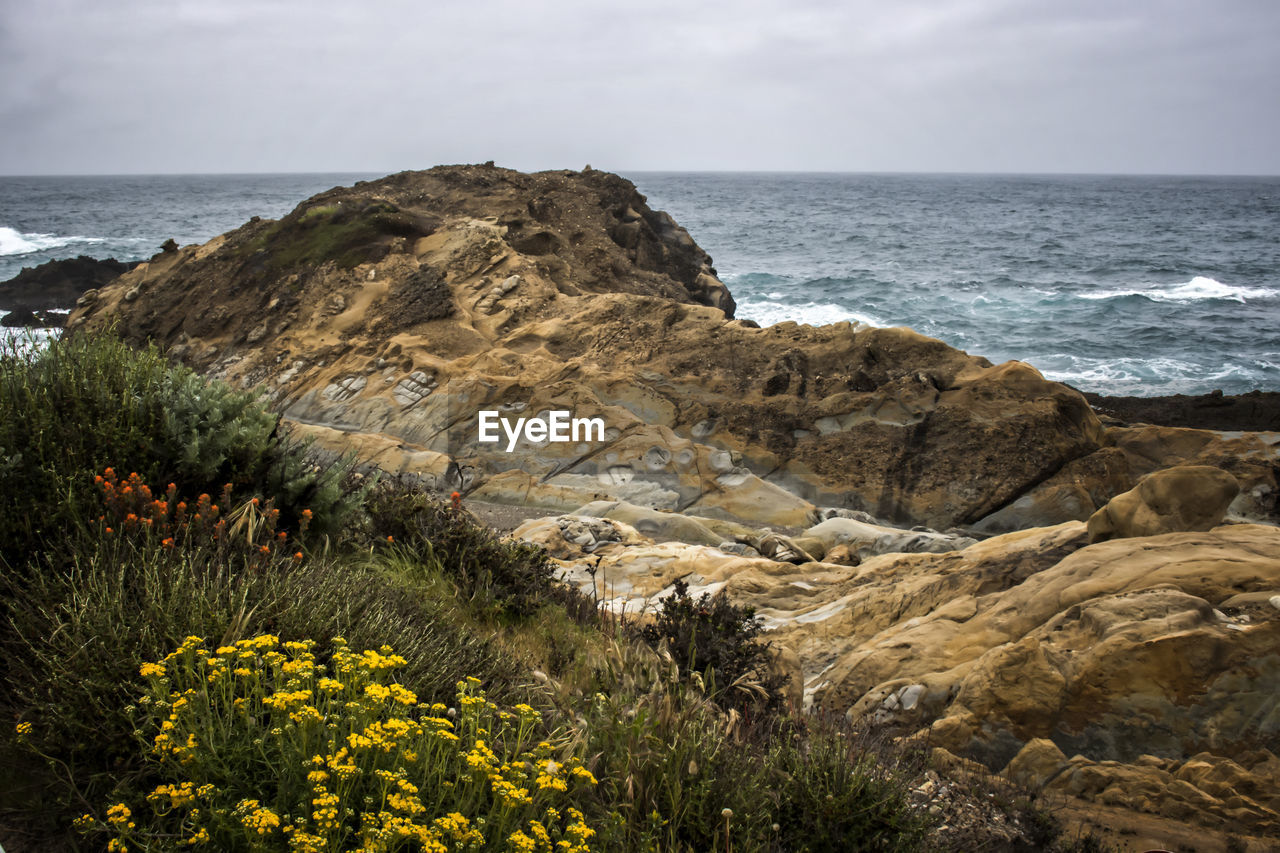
(195,86)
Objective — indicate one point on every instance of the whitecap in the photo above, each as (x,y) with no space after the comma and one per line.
(1142,376)
(769,313)
(1199,288)
(13,242)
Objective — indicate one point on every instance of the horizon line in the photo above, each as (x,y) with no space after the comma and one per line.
(652,171)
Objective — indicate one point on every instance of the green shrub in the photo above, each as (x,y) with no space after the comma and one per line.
(76,633)
(833,797)
(513,578)
(81,403)
(717,640)
(671,764)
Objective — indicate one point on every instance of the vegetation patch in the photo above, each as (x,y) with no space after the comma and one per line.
(716,642)
(347,233)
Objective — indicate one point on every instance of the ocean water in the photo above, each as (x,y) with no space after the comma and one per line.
(1123,285)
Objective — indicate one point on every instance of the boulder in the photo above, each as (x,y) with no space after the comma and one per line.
(1186,497)
(652,523)
(1038,762)
(867,540)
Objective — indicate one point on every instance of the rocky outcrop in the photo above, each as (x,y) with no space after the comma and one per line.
(388,314)
(57,285)
(1203,787)
(1256,411)
(1132,655)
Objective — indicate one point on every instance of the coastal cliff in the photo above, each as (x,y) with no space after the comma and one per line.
(383,318)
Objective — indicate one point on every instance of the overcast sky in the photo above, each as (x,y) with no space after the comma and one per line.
(143,86)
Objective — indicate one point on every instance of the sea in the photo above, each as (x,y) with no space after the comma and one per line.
(1136,285)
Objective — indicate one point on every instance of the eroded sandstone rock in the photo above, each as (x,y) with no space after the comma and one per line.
(1026,648)
(1185,497)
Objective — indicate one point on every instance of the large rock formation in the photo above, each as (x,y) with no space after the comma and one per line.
(385,316)
(41,295)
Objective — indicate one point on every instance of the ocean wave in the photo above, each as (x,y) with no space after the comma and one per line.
(13,242)
(771,313)
(1153,375)
(1198,289)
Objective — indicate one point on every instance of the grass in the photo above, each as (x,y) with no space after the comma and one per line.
(347,235)
(188,655)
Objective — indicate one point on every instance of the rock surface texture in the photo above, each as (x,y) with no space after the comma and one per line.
(1134,660)
(1135,657)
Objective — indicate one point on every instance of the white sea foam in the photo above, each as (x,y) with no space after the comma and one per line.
(23,340)
(770,313)
(1199,288)
(13,242)
(1145,376)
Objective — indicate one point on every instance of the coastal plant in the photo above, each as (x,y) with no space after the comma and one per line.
(512,578)
(264,745)
(716,641)
(131,509)
(671,762)
(85,401)
(837,795)
(76,632)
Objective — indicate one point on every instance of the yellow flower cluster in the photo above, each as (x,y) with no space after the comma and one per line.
(359,762)
(257,819)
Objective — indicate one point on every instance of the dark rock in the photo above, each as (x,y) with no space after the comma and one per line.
(58,284)
(1253,412)
(22,318)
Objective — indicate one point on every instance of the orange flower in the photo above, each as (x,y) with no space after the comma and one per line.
(168,543)
(298,556)
(391,539)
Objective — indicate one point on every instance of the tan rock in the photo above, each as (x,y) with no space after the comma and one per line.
(1186,497)
(1117,651)
(1038,761)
